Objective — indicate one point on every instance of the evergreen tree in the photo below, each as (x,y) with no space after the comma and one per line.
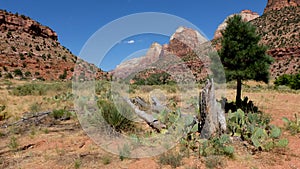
(241,54)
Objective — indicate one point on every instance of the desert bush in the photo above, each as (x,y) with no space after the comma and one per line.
(5,68)
(3,114)
(113,117)
(106,160)
(61,114)
(22,56)
(124,152)
(37,48)
(64,75)
(77,163)
(292,81)
(35,107)
(173,159)
(13,48)
(13,144)
(9,76)
(214,161)
(27,74)
(18,72)
(292,125)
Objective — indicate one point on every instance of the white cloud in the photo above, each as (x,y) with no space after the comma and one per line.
(130,41)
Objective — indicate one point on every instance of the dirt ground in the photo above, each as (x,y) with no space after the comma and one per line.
(64,145)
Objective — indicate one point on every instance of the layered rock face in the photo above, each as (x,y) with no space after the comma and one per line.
(21,23)
(287,60)
(247,15)
(279,4)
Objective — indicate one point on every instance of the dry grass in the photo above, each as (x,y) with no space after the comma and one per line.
(65,144)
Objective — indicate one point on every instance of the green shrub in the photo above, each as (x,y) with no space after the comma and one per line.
(27,74)
(292,81)
(61,114)
(113,117)
(22,56)
(64,75)
(292,125)
(172,159)
(35,107)
(3,115)
(124,152)
(5,68)
(9,76)
(37,47)
(18,72)
(13,144)
(13,48)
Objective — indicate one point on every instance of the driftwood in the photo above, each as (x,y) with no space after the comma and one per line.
(148,118)
(212,117)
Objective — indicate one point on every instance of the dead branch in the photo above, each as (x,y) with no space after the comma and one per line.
(148,118)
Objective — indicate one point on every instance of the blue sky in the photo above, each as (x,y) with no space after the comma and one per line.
(76,21)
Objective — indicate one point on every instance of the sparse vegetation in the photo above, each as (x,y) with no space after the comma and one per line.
(38,89)
(64,75)
(18,72)
(292,125)
(13,144)
(172,158)
(13,48)
(61,114)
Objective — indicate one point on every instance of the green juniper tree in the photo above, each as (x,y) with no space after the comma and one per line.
(241,54)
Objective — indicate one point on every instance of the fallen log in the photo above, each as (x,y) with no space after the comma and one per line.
(148,118)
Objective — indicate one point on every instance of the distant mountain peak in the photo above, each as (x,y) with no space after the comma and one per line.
(247,15)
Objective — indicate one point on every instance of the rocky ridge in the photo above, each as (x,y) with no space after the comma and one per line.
(31,50)
(279,4)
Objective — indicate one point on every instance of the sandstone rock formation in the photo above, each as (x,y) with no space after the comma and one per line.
(138,64)
(21,23)
(33,49)
(247,15)
(185,55)
(279,4)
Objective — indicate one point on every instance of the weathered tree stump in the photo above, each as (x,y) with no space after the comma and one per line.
(212,117)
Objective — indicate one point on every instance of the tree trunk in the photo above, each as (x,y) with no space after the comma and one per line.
(238,93)
(212,117)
